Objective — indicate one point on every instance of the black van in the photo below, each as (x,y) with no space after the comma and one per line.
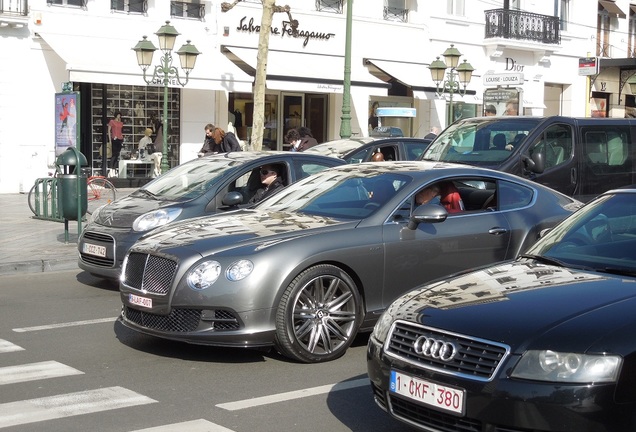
(581,157)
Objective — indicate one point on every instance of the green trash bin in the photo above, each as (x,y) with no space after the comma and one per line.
(71,184)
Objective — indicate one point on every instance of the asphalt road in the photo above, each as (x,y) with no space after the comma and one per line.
(66,365)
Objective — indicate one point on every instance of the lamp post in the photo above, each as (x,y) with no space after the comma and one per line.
(457,75)
(345,125)
(165,72)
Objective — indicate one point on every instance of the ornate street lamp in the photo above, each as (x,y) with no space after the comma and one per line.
(457,75)
(165,72)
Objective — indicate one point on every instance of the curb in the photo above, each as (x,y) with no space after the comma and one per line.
(38,266)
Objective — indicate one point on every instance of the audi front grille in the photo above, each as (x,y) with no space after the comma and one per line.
(471,358)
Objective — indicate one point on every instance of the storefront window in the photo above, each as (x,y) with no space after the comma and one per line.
(241,115)
(141,107)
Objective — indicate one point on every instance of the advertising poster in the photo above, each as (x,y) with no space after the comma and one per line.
(66,121)
(598,107)
(500,102)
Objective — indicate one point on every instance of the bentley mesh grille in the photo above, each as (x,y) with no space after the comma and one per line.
(475,359)
(435,420)
(179,320)
(150,273)
(182,320)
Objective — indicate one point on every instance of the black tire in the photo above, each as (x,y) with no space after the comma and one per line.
(99,191)
(319,315)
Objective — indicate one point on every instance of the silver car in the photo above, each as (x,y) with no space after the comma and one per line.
(316,263)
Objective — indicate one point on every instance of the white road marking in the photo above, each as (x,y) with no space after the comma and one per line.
(6,346)
(35,371)
(200,425)
(67,405)
(62,325)
(281,397)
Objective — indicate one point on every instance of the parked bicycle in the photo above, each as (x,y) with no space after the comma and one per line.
(99,191)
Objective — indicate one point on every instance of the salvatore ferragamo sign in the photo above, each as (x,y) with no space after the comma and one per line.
(285,30)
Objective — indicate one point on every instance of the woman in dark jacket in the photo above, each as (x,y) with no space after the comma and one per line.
(218,141)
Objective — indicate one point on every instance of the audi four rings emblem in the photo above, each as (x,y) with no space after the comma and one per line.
(435,348)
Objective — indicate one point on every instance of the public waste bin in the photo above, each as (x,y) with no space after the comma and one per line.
(71,184)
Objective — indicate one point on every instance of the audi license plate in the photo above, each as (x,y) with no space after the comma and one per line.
(96,250)
(140,301)
(428,393)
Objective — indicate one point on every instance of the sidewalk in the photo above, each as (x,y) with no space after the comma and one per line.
(30,245)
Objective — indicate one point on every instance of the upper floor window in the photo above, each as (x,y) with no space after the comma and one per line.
(396,10)
(455,7)
(78,3)
(187,9)
(129,6)
(329,5)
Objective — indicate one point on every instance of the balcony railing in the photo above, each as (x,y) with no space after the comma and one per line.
(334,6)
(129,6)
(515,24)
(396,14)
(14,7)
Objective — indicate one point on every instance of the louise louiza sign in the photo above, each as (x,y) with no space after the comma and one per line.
(284,30)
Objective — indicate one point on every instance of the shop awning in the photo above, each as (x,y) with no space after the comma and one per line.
(112,61)
(306,72)
(414,75)
(612,8)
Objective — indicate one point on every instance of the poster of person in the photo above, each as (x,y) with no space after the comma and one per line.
(66,121)
(598,107)
(501,102)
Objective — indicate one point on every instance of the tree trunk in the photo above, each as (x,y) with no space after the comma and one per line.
(258,122)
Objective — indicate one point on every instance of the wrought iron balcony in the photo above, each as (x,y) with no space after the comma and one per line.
(129,6)
(334,6)
(520,25)
(17,8)
(186,9)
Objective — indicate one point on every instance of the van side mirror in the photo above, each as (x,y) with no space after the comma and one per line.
(535,163)
(427,213)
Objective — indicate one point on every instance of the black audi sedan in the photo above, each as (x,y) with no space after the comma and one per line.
(546,342)
(194,188)
(309,267)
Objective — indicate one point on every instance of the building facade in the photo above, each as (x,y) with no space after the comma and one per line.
(526,49)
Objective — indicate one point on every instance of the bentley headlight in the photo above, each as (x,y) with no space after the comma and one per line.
(204,275)
(239,270)
(553,366)
(155,218)
(382,327)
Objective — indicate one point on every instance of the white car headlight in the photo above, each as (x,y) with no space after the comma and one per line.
(155,218)
(382,327)
(239,270)
(204,275)
(547,365)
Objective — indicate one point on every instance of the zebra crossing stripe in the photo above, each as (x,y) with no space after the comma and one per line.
(35,371)
(297,394)
(68,405)
(6,346)
(200,425)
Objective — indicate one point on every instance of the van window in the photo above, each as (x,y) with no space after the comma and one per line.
(484,141)
(556,145)
(606,150)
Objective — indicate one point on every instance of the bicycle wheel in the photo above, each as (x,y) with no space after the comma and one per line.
(100,191)
(32,200)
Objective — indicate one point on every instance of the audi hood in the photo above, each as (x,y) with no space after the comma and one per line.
(526,305)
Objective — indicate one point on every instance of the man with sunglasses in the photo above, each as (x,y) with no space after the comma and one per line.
(271,180)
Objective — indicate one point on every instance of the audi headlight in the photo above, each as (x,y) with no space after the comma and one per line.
(204,275)
(382,327)
(553,366)
(239,270)
(155,218)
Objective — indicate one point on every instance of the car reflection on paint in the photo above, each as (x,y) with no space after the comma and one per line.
(542,343)
(319,261)
(194,188)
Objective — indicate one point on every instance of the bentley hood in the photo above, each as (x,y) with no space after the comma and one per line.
(214,233)
(526,305)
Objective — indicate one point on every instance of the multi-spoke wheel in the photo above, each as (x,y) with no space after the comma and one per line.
(318,315)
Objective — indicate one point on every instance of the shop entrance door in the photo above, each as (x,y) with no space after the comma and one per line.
(292,114)
(316,113)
